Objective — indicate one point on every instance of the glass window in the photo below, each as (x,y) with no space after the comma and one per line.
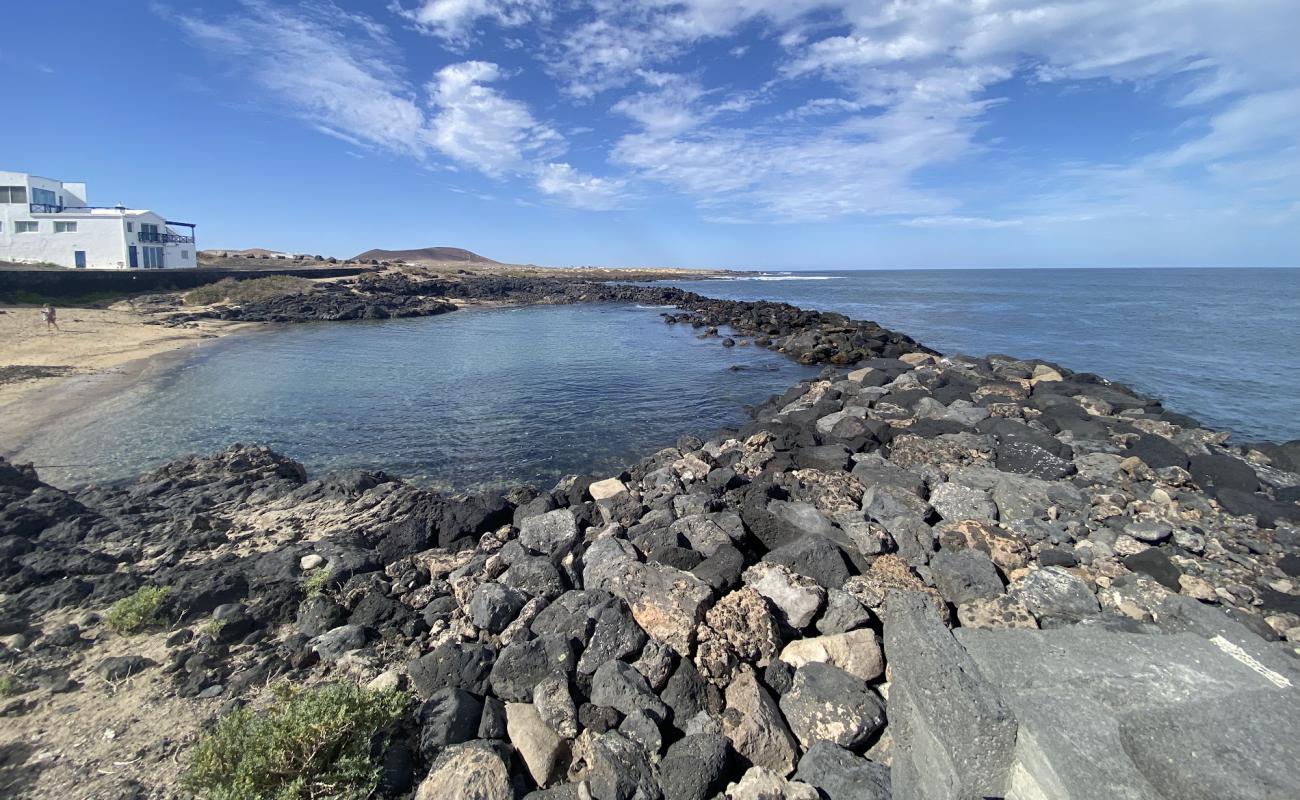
(185,254)
(44,197)
(13,194)
(26,227)
(130,226)
(153,257)
(65,227)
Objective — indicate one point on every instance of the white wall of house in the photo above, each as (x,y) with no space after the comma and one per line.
(104,236)
(100,239)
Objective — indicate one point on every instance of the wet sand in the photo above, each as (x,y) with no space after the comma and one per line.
(95,353)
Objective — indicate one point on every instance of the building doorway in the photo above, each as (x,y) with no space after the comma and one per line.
(133,257)
(79,258)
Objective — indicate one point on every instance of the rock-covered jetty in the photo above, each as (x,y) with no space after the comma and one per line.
(913,576)
(812,337)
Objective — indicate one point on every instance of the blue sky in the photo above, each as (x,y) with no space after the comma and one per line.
(772,134)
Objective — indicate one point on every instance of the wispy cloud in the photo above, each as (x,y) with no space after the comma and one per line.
(476,124)
(454,20)
(326,66)
(860,105)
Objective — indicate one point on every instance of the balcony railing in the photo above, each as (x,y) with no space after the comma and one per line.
(165,238)
(144,236)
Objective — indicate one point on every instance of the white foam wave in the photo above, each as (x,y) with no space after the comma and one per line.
(788,278)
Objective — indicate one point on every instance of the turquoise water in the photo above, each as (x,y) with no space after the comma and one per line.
(1222,345)
(461,400)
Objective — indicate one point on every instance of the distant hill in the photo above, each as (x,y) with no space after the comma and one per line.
(251,252)
(425,255)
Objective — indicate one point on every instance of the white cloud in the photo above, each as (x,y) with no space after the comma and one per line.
(671,104)
(573,188)
(320,61)
(864,101)
(476,124)
(453,20)
(329,68)
(918,78)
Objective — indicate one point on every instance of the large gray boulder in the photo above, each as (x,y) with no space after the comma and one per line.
(550,534)
(840,775)
(693,766)
(471,771)
(541,748)
(965,575)
(1141,716)
(756,728)
(666,602)
(493,606)
(1053,593)
(953,733)
(828,704)
(621,687)
(953,502)
(620,769)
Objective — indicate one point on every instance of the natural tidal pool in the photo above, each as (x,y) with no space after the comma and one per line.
(458,401)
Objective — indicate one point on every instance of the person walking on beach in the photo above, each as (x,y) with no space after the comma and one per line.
(51,323)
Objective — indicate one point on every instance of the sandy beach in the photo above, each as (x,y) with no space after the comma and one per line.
(46,374)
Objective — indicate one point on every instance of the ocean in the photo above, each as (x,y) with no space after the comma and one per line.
(1222,345)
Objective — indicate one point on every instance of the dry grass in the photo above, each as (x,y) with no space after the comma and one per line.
(231,290)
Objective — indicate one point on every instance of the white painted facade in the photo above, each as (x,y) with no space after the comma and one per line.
(49,221)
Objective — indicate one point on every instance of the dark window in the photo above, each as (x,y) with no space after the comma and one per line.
(13,194)
(44,197)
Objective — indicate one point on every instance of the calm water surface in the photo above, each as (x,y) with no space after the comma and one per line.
(456,401)
(495,397)
(1220,344)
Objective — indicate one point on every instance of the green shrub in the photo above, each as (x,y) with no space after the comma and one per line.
(316,582)
(231,290)
(8,685)
(137,611)
(309,744)
(212,628)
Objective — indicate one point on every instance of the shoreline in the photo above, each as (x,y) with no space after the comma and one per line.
(97,368)
(92,348)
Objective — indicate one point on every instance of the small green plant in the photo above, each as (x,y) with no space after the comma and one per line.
(212,628)
(137,611)
(8,685)
(308,744)
(315,583)
(231,290)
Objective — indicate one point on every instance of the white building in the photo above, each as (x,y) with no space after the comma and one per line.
(43,220)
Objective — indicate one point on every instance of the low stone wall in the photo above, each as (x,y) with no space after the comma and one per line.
(79,283)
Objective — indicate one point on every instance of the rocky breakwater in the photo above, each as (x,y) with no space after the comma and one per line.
(811,337)
(327,301)
(919,577)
